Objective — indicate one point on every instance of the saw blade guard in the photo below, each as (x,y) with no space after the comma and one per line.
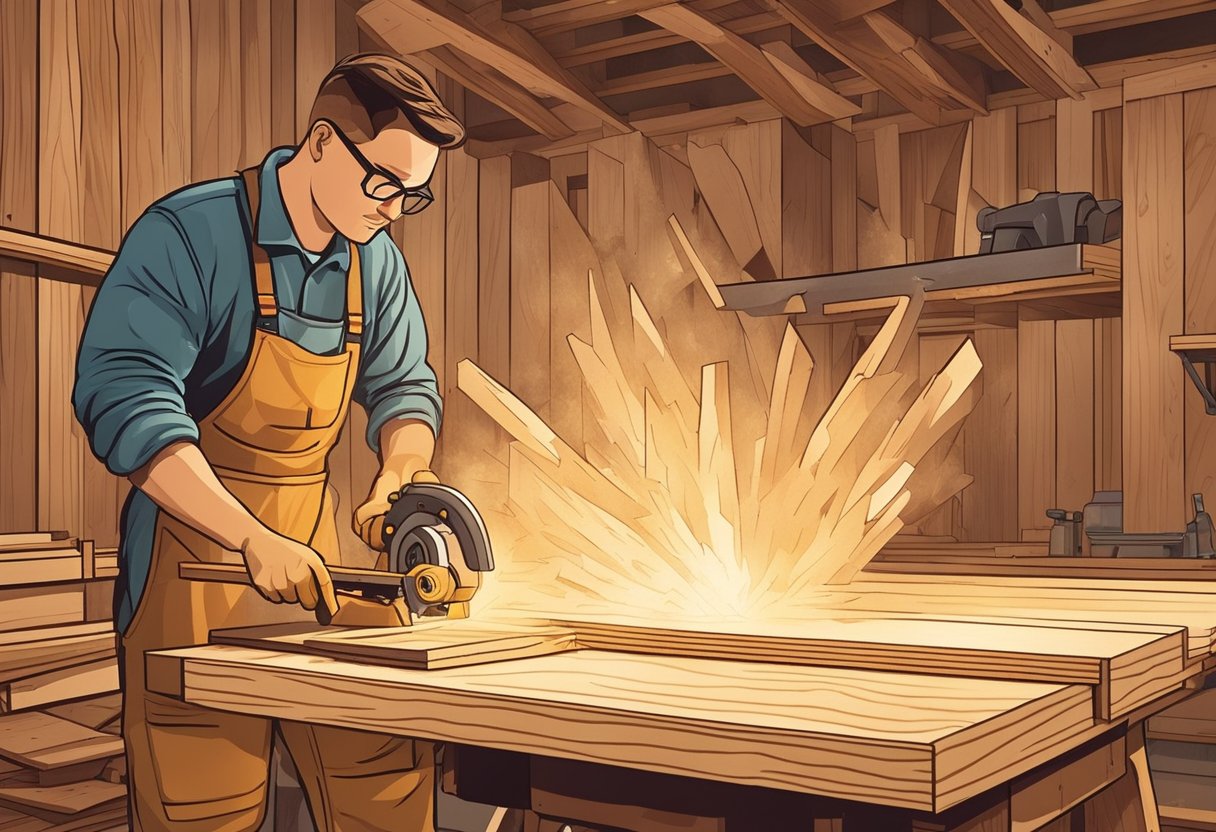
(415,519)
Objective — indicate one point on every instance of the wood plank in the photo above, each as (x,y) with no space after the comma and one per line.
(844,200)
(572,262)
(1029,52)
(19,141)
(812,86)
(1075,386)
(1154,280)
(216,96)
(42,741)
(60,307)
(1186,78)
(990,442)
(26,652)
(40,569)
(314,55)
(257,82)
(743,58)
(420,647)
(722,185)
(88,679)
(1036,424)
(68,799)
(530,300)
(1199,174)
(177,114)
(580,54)
(460,330)
(283,129)
(422,239)
(754,150)
(955,75)
(494,268)
(657,702)
(29,607)
(98,713)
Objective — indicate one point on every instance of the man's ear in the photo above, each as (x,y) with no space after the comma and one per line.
(319,136)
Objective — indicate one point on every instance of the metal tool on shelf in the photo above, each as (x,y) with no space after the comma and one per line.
(1102,524)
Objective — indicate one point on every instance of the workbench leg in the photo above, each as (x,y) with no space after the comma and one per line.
(1128,805)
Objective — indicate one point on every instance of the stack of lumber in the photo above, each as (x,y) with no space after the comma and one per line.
(61,756)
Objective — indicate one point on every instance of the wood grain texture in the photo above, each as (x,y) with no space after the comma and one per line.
(672,715)
(990,442)
(1075,413)
(1034,804)
(1108,404)
(756,151)
(86,679)
(43,741)
(422,239)
(1036,435)
(843,150)
(1153,284)
(1108,154)
(28,607)
(572,262)
(216,96)
(1199,176)
(530,295)
(725,191)
(460,330)
(177,135)
(256,81)
(61,450)
(67,799)
(314,55)
(19,143)
(494,267)
(808,198)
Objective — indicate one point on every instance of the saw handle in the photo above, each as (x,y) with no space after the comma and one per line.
(372,532)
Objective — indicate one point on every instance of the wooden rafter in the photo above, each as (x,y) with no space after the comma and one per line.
(1035,55)
(813,86)
(553,18)
(474,75)
(956,75)
(858,45)
(746,61)
(1098,16)
(580,55)
(506,46)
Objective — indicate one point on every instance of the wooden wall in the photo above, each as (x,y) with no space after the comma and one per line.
(134,98)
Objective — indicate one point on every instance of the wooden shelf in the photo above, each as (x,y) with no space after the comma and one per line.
(1199,349)
(49,251)
(1070,281)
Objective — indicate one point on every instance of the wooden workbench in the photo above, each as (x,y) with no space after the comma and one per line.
(937,700)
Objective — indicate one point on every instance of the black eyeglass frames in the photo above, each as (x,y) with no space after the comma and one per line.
(380,185)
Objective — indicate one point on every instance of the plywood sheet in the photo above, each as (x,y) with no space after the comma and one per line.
(68,799)
(43,741)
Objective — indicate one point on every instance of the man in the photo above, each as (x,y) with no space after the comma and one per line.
(216,369)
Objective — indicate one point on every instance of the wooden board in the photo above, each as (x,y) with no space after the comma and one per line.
(27,652)
(68,799)
(1153,432)
(1193,720)
(96,713)
(1036,406)
(420,647)
(73,682)
(43,741)
(43,606)
(929,742)
(1199,172)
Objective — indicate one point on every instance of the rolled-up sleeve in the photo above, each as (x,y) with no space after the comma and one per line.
(143,335)
(395,380)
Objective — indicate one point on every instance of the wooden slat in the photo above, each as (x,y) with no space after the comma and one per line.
(812,86)
(314,54)
(504,45)
(1034,804)
(28,652)
(655,704)
(844,201)
(1096,16)
(97,713)
(530,298)
(87,679)
(576,54)
(744,59)
(1036,424)
(1185,78)
(1075,415)
(572,262)
(1029,52)
(177,114)
(990,442)
(461,262)
(19,144)
(417,647)
(67,799)
(215,30)
(256,81)
(955,75)
(494,267)
(42,741)
(1199,174)
(1153,432)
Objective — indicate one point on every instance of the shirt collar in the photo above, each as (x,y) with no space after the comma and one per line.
(273,227)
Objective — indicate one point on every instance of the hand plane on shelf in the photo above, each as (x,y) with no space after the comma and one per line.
(437,547)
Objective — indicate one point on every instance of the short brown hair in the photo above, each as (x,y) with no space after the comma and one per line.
(364,93)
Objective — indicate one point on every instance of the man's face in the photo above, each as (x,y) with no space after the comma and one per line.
(357,196)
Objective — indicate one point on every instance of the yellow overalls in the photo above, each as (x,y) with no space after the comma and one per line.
(196,769)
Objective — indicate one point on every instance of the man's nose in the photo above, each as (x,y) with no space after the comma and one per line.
(390,209)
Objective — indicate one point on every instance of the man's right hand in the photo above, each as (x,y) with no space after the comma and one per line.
(283,569)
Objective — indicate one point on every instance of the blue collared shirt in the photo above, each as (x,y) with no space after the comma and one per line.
(170,331)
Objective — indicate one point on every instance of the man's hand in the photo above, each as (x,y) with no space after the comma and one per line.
(368,521)
(283,569)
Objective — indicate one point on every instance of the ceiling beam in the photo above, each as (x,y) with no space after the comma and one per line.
(957,76)
(580,55)
(507,47)
(1098,16)
(474,75)
(746,61)
(564,15)
(856,44)
(803,77)
(1035,56)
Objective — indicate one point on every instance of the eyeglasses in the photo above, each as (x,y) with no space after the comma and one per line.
(382,186)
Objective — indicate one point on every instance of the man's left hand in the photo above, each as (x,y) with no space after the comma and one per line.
(368,521)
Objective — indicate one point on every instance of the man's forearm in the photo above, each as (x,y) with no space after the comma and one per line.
(406,446)
(180,481)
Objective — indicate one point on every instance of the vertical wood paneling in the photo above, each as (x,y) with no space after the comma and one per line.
(1036,426)
(283,128)
(935,352)
(1108,332)
(494,268)
(806,207)
(255,81)
(60,214)
(990,442)
(1036,158)
(177,112)
(315,20)
(530,300)
(571,257)
(1199,171)
(844,200)
(423,243)
(19,137)
(756,151)
(216,83)
(460,330)
(1108,153)
(1153,249)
